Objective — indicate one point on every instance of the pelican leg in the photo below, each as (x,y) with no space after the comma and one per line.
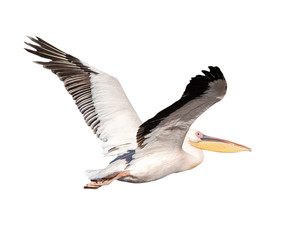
(94,184)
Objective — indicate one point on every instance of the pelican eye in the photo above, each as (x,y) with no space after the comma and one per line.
(199,134)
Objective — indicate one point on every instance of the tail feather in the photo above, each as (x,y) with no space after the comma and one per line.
(92,174)
(112,169)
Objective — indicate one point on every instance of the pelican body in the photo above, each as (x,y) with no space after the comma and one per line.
(143,151)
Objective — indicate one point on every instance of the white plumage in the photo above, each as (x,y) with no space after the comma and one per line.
(145,151)
(119,121)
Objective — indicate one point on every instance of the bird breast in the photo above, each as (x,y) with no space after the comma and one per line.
(158,165)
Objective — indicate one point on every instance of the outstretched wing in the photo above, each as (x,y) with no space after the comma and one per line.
(98,96)
(169,127)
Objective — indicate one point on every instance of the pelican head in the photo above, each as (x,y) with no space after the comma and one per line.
(201,141)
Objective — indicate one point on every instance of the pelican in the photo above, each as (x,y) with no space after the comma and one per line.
(142,151)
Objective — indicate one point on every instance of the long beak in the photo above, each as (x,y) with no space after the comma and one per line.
(218,145)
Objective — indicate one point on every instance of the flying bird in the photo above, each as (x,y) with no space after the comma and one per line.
(142,151)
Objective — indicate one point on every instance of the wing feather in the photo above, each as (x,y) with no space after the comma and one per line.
(169,127)
(98,96)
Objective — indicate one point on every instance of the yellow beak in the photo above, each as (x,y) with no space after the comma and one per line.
(218,145)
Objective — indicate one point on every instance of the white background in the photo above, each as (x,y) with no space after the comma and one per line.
(153,48)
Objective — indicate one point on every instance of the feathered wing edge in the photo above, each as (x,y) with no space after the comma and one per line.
(201,93)
(75,76)
(89,89)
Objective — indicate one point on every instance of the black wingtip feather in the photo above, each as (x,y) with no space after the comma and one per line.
(216,72)
(30,50)
(208,74)
(74,74)
(197,86)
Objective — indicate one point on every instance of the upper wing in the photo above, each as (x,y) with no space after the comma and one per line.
(169,127)
(98,96)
